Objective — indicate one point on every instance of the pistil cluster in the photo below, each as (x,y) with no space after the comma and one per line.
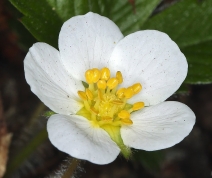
(105,102)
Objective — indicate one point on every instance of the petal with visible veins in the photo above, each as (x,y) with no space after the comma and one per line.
(76,136)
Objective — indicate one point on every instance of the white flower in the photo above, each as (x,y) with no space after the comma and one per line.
(98,122)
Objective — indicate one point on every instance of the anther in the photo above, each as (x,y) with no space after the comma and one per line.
(124,114)
(92,75)
(137,106)
(105,73)
(127,121)
(88,76)
(89,94)
(136,88)
(117,102)
(128,93)
(96,75)
(101,84)
(112,83)
(120,92)
(82,95)
(119,77)
(106,104)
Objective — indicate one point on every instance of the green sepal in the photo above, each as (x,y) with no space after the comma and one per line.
(85,84)
(49,113)
(115,135)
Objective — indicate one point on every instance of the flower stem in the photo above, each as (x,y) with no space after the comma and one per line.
(71,168)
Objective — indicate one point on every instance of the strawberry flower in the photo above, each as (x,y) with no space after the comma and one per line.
(109,90)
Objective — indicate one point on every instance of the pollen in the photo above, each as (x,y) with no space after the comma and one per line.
(105,101)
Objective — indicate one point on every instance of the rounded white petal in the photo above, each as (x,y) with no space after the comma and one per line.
(151,58)
(87,41)
(77,137)
(49,80)
(158,127)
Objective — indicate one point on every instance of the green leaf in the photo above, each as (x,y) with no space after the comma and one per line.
(130,16)
(200,63)
(25,39)
(186,22)
(45,18)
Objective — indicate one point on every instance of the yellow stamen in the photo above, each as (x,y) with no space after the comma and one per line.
(124,114)
(105,105)
(87,105)
(101,84)
(120,92)
(91,87)
(89,94)
(137,106)
(112,83)
(128,93)
(127,121)
(82,95)
(119,77)
(136,88)
(88,76)
(94,111)
(100,95)
(117,102)
(92,75)
(105,73)
(96,75)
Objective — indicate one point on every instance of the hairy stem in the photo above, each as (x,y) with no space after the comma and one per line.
(71,168)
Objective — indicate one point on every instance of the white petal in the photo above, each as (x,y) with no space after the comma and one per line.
(87,41)
(153,59)
(49,80)
(158,127)
(77,137)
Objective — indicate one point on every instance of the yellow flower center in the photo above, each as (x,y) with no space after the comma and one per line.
(104,103)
